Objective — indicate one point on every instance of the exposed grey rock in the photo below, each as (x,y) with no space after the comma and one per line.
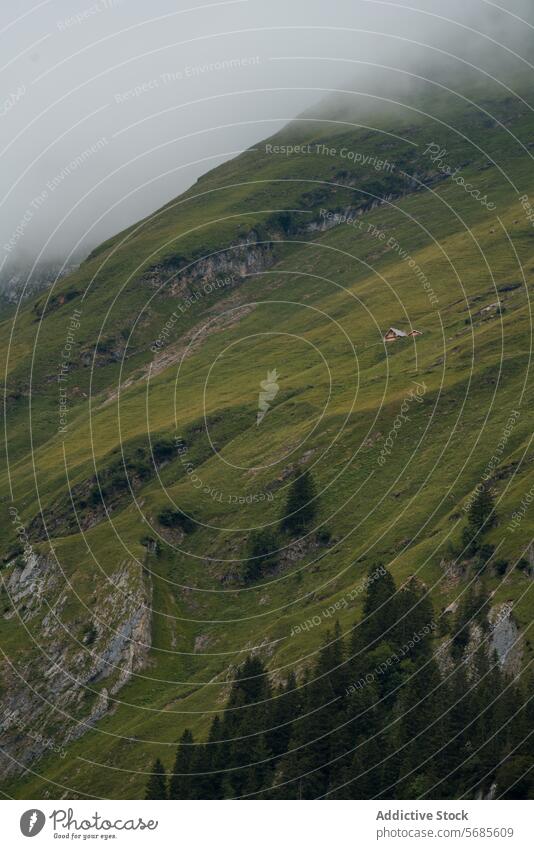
(176,275)
(27,584)
(201,642)
(505,638)
(52,692)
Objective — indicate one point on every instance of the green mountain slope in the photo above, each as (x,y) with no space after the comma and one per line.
(132,393)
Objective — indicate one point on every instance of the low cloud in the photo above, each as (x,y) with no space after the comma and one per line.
(112,108)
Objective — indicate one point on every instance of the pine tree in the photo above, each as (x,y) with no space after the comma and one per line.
(250,680)
(490,731)
(458,708)
(201,778)
(515,778)
(420,725)
(156,787)
(244,718)
(481,517)
(180,782)
(284,708)
(353,741)
(415,618)
(302,772)
(332,661)
(322,717)
(482,510)
(301,504)
(363,726)
(214,761)
(259,770)
(369,768)
(379,609)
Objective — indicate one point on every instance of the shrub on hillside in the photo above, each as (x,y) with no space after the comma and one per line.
(170,518)
(262,554)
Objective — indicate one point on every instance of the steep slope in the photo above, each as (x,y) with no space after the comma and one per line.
(132,394)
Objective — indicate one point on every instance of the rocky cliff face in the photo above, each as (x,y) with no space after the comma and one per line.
(500,636)
(76,657)
(506,638)
(177,275)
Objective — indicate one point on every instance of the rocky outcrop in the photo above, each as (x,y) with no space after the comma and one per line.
(176,276)
(505,638)
(78,656)
(27,584)
(499,635)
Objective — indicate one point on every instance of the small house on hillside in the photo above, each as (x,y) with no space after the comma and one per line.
(394,333)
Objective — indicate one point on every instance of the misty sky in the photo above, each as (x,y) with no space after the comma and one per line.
(110,108)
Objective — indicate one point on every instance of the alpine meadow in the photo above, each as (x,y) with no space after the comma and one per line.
(267,468)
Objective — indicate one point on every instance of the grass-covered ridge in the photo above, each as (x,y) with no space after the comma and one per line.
(310,295)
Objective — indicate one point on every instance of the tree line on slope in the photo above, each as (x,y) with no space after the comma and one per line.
(374,716)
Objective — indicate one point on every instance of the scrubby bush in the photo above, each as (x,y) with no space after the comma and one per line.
(262,554)
(500,567)
(170,518)
(163,449)
(323,536)
(485,553)
(523,565)
(152,545)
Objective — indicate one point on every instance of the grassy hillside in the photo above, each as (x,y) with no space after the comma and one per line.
(299,261)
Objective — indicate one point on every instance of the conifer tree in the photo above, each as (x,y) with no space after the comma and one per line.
(515,778)
(321,718)
(180,786)
(156,787)
(420,728)
(379,619)
(332,661)
(482,510)
(489,733)
(201,778)
(415,618)
(374,721)
(243,722)
(250,680)
(215,760)
(481,517)
(301,504)
(369,768)
(458,713)
(284,709)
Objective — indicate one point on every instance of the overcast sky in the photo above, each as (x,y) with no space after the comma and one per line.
(110,108)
